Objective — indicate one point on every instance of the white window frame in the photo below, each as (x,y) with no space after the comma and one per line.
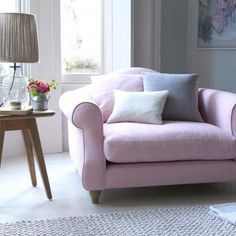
(116,51)
(84,78)
(23,6)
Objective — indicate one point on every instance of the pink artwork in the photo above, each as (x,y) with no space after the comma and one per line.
(216,24)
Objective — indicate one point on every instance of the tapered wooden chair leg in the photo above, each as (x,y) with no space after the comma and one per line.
(95,196)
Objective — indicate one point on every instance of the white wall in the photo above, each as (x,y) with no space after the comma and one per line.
(48,68)
(216,67)
(13,144)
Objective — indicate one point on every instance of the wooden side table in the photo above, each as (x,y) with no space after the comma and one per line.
(28,126)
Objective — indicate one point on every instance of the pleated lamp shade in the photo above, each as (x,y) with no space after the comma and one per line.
(18,38)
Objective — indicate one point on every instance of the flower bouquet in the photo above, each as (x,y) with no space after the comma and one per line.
(38,90)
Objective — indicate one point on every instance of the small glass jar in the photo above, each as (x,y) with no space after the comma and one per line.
(18,92)
(15,105)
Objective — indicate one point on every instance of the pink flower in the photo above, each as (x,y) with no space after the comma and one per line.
(42,87)
(35,87)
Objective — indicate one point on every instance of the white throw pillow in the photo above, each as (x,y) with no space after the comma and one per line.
(142,107)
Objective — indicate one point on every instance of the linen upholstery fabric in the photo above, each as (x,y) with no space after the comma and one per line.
(218,108)
(71,99)
(85,129)
(172,141)
(141,174)
(90,141)
(104,86)
(87,116)
(143,107)
(182,101)
(18,38)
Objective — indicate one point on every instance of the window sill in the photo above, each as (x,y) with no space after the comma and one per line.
(77,78)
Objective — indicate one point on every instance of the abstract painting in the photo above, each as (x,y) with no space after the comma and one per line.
(216,24)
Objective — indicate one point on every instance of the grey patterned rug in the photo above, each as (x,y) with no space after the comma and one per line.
(168,222)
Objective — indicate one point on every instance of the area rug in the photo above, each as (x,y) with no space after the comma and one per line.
(168,222)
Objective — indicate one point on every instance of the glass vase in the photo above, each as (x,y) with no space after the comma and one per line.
(16,91)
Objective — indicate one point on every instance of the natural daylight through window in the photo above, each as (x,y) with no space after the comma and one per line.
(11,6)
(81,44)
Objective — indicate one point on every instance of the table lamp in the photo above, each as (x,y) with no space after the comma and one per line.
(18,44)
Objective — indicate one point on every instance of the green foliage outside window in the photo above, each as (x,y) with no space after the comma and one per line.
(77,64)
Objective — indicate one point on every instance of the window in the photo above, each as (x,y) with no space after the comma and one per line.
(81,37)
(11,6)
(7,6)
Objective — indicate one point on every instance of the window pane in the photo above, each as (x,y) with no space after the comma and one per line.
(81,35)
(7,6)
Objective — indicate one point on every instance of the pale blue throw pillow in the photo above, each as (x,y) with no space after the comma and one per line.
(182,100)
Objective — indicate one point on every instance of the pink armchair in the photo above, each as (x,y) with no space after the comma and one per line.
(122,155)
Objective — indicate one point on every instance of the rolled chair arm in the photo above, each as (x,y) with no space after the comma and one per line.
(218,108)
(70,99)
(84,114)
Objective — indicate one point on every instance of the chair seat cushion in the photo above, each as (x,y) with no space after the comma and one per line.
(173,141)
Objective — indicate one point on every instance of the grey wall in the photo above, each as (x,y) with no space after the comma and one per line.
(143,33)
(179,53)
(173,36)
(217,68)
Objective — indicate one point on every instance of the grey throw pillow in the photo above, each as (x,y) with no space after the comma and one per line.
(182,100)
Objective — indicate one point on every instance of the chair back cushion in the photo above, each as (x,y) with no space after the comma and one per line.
(182,100)
(103,86)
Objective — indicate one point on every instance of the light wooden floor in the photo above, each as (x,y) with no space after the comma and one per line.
(20,201)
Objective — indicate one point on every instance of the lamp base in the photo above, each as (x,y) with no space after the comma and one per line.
(15,88)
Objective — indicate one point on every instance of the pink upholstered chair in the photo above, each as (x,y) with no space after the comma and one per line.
(126,154)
